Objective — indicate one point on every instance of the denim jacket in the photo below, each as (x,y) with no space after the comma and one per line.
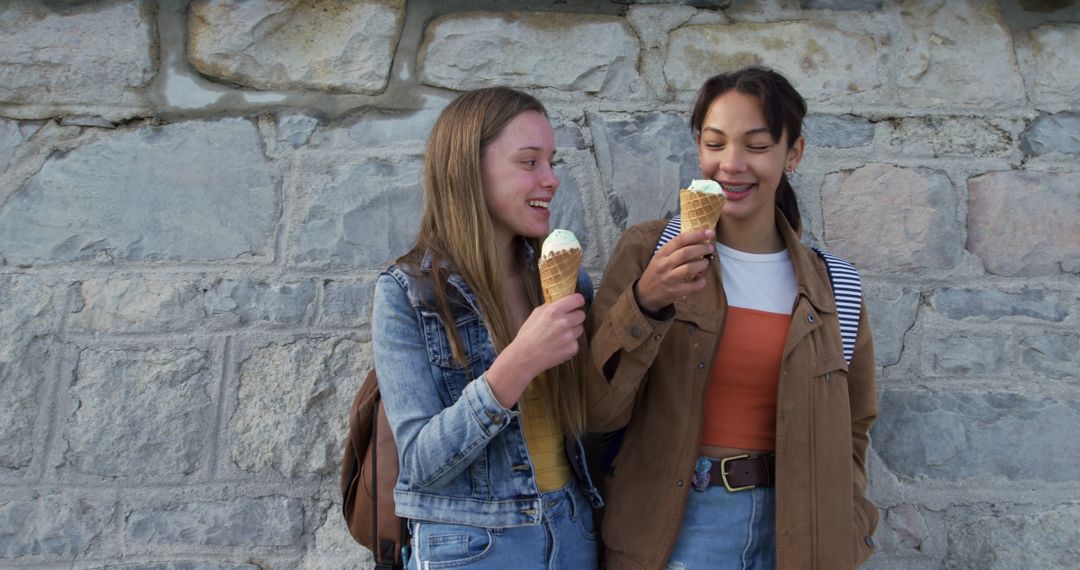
(463,456)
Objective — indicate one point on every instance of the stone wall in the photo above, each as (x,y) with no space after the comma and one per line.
(195,199)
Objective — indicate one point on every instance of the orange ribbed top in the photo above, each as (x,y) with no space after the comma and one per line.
(740,404)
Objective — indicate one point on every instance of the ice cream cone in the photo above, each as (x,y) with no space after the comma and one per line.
(699,210)
(559,273)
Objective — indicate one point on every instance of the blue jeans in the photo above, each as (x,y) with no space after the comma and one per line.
(564,540)
(724,530)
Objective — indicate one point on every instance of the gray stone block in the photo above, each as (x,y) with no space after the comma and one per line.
(295,130)
(29,316)
(862,5)
(361,213)
(380,129)
(51,527)
(1055,355)
(568,210)
(91,60)
(892,219)
(937,48)
(892,314)
(10,140)
(152,305)
(644,159)
(334,548)
(996,304)
(838,131)
(181,565)
(952,136)
(135,196)
(290,415)
(822,61)
(141,414)
(316,44)
(243,522)
(1058,133)
(1048,539)
(1055,68)
(1039,235)
(708,4)
(963,434)
(480,49)
(964,354)
(347,303)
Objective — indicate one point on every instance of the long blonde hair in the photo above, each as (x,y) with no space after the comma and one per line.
(456,229)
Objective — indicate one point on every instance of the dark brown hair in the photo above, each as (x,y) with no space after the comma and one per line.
(782,106)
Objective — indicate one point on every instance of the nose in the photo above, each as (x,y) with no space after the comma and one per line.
(549,179)
(732,160)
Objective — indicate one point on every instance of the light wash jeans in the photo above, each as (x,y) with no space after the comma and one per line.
(723,530)
(564,540)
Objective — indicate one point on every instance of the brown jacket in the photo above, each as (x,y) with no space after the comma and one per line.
(652,375)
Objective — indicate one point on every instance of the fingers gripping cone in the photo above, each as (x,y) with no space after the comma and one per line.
(559,263)
(700,205)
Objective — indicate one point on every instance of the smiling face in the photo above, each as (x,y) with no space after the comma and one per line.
(736,149)
(518,179)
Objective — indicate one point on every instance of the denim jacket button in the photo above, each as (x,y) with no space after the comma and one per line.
(496,418)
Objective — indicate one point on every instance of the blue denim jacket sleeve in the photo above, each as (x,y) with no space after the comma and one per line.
(435,442)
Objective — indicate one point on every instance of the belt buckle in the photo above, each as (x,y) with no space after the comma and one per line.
(723,473)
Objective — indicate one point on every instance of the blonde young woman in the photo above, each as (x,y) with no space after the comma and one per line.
(476,375)
(747,414)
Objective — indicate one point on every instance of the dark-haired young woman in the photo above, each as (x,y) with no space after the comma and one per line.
(746,424)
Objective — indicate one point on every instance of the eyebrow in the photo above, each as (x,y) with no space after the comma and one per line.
(535,149)
(750,132)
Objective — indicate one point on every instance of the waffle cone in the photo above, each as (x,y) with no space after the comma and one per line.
(699,210)
(559,273)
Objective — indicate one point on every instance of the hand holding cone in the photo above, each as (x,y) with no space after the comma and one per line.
(560,260)
(700,205)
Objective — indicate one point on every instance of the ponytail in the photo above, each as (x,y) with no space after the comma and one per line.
(788,203)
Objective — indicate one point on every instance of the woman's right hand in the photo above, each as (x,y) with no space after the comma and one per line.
(675,271)
(548,338)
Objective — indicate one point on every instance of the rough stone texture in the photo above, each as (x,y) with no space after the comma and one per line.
(292,401)
(91,61)
(295,130)
(466,51)
(296,44)
(943,39)
(135,196)
(1039,235)
(360,213)
(822,61)
(1053,133)
(838,131)
(245,522)
(1056,73)
(156,401)
(380,129)
(892,313)
(995,304)
(643,160)
(958,434)
(951,136)
(182,565)
(334,547)
(908,523)
(51,526)
(1049,539)
(10,140)
(866,5)
(965,355)
(137,305)
(1055,355)
(28,317)
(887,218)
(568,210)
(346,303)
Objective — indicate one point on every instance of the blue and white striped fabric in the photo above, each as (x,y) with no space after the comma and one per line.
(671,230)
(847,289)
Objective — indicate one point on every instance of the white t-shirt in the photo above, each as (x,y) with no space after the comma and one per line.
(759,281)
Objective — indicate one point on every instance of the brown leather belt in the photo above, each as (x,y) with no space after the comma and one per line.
(739,473)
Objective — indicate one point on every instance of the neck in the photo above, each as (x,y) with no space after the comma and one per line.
(750,235)
(507,255)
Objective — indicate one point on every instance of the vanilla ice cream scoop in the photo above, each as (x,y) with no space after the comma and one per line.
(706,186)
(559,240)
